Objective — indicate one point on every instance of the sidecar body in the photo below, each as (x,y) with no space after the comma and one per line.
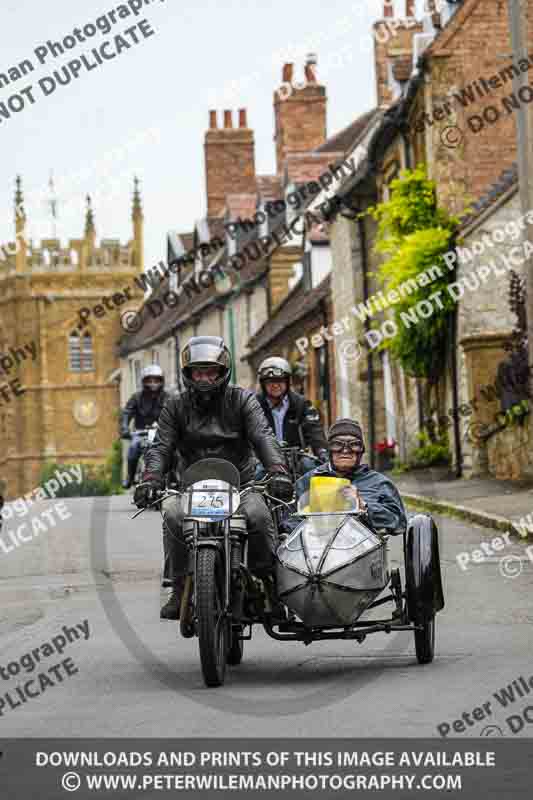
(332,567)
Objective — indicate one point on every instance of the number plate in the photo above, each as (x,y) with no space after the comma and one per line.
(209,504)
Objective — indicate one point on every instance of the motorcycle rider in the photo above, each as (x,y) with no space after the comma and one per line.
(368,488)
(144,407)
(293,419)
(211,419)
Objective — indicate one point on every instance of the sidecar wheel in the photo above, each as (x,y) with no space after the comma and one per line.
(212,623)
(425,641)
(236,650)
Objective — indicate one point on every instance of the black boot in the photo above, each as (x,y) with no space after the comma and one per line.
(171,609)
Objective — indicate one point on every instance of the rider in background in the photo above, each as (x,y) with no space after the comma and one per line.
(144,408)
(368,488)
(291,416)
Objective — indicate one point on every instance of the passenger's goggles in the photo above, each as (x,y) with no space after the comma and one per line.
(273,372)
(345,447)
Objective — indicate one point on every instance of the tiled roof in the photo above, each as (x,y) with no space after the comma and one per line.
(507,180)
(305,167)
(343,141)
(297,305)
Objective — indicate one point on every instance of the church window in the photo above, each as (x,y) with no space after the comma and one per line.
(80,351)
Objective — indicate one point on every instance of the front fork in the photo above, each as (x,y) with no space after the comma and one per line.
(231,537)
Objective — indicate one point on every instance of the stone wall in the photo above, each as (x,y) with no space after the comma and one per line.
(509,452)
(484,324)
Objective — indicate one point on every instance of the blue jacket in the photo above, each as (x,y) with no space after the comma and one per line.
(385,506)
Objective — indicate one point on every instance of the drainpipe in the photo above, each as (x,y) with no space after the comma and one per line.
(369,359)
(419,406)
(455,396)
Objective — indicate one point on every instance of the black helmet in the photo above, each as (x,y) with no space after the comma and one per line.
(206,351)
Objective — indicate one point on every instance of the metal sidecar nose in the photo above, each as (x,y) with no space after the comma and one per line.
(330,569)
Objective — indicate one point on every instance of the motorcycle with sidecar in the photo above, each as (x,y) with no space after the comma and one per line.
(331,568)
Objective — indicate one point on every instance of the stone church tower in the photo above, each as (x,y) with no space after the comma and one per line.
(59,394)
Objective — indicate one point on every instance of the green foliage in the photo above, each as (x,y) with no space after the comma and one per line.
(415,234)
(429,454)
(97,479)
(515,414)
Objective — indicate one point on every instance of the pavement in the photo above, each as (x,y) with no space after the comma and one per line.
(501,505)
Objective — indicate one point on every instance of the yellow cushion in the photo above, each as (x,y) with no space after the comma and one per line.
(324,494)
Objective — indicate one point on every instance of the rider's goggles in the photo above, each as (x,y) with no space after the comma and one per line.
(345,447)
(273,372)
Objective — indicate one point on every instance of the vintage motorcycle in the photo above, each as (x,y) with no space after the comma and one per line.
(330,569)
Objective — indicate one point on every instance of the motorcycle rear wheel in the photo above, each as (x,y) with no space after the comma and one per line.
(212,623)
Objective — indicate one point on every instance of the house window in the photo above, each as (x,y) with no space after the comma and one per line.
(80,352)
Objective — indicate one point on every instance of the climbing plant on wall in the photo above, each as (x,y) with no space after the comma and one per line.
(413,234)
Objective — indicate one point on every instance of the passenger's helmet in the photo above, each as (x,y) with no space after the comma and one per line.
(274,367)
(206,351)
(152,371)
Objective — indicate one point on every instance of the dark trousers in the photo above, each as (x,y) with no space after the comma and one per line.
(261,538)
(134,454)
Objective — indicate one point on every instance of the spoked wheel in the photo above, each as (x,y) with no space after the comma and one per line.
(425,641)
(212,622)
(236,649)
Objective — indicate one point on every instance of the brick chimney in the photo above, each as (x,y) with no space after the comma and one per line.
(300,116)
(393,43)
(229,160)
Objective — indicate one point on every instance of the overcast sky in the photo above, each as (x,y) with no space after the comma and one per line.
(152,102)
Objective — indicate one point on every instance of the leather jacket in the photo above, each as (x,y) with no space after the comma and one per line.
(144,407)
(231,427)
(301,426)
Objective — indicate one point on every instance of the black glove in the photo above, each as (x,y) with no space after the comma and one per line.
(323,455)
(146,492)
(125,435)
(280,486)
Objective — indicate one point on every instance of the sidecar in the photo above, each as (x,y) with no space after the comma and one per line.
(334,566)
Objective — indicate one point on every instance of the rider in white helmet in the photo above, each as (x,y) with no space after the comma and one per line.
(293,419)
(144,408)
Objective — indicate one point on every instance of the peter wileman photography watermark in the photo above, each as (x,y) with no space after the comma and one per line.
(10,360)
(505,697)
(38,523)
(40,682)
(510,566)
(43,53)
(132,321)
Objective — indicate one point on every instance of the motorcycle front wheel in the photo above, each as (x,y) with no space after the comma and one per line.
(212,622)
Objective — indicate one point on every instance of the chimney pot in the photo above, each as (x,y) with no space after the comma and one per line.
(287,72)
(388,8)
(213,119)
(242,118)
(228,122)
(310,68)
